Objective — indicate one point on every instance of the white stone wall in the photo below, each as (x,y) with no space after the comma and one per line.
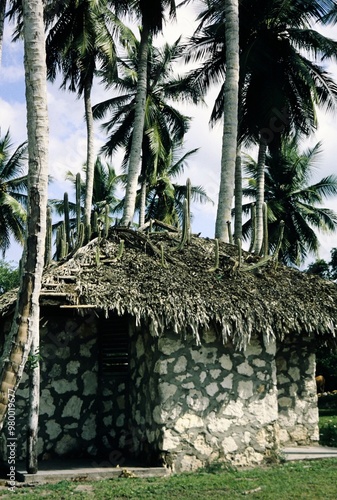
(208,403)
(297,395)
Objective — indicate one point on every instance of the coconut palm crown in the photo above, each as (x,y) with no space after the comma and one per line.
(292,198)
(13,189)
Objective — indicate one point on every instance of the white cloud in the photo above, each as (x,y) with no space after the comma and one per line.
(13,117)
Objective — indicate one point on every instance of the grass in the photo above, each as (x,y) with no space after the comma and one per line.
(328,421)
(309,480)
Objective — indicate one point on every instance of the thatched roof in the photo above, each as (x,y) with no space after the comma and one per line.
(147,277)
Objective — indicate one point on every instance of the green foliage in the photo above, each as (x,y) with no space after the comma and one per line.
(328,421)
(106,184)
(13,189)
(33,360)
(328,433)
(324,269)
(9,276)
(164,129)
(292,198)
(326,365)
(320,267)
(326,361)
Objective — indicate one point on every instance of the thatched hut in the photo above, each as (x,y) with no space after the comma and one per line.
(155,350)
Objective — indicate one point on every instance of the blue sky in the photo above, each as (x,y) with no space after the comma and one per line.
(68,135)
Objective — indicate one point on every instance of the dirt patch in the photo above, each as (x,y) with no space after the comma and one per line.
(84,488)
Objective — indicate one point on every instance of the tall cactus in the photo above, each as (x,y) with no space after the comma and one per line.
(95,228)
(229,230)
(186,229)
(66,218)
(61,242)
(78,201)
(188,210)
(106,220)
(85,236)
(253,219)
(79,238)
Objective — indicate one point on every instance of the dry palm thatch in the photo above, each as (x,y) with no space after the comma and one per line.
(188,289)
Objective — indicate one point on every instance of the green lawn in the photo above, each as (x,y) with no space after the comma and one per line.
(328,421)
(315,479)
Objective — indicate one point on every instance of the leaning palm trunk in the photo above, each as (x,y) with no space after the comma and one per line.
(2,24)
(138,128)
(25,325)
(260,195)
(229,138)
(89,187)
(238,197)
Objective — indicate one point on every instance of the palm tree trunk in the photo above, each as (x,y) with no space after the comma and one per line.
(90,156)
(33,412)
(25,326)
(260,195)
(2,24)
(142,203)
(229,138)
(238,197)
(138,129)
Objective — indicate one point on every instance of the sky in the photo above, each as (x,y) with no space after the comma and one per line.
(68,134)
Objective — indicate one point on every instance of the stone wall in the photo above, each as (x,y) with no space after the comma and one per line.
(205,403)
(145,434)
(297,396)
(183,404)
(80,414)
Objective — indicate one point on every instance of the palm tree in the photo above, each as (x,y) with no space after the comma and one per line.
(105,188)
(290,197)
(2,22)
(151,15)
(79,41)
(280,86)
(24,334)
(13,189)
(230,126)
(164,125)
(289,87)
(9,276)
(164,197)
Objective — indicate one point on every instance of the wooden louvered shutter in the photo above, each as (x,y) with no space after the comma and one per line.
(114,340)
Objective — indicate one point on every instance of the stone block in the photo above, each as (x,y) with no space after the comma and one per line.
(226,362)
(188,421)
(180,365)
(245,369)
(66,445)
(212,389)
(73,408)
